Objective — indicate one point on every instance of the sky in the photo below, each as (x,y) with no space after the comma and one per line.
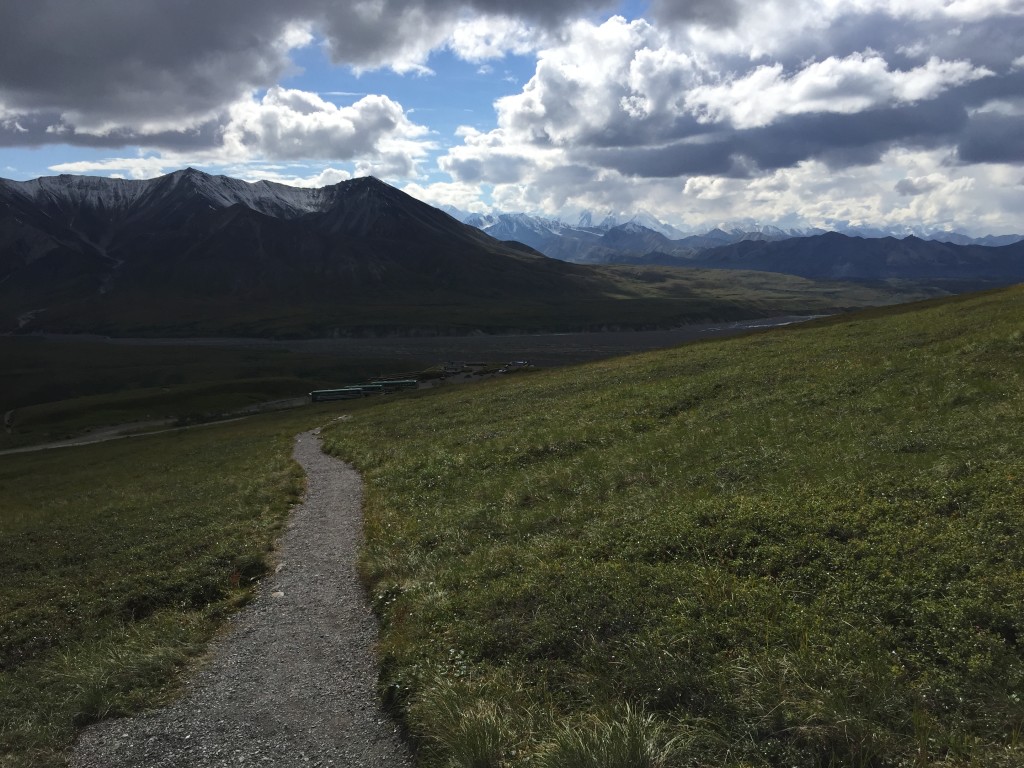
(901,114)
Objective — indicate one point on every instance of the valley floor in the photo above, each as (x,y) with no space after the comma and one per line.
(542,349)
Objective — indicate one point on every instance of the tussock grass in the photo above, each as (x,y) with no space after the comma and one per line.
(120,560)
(796,548)
(629,738)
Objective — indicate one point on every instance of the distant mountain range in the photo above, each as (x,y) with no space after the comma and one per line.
(643,239)
(194,254)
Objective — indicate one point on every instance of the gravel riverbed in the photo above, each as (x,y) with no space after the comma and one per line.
(292,683)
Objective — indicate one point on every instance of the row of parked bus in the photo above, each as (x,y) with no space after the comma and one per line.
(353,391)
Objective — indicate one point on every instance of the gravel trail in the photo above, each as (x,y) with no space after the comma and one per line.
(293,681)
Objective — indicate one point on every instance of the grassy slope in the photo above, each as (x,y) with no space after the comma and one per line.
(796,548)
(62,388)
(121,560)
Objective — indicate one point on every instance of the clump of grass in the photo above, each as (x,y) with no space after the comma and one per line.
(472,724)
(630,738)
(464,733)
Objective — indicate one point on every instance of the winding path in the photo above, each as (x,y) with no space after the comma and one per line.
(293,682)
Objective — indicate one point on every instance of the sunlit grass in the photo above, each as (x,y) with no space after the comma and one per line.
(119,562)
(796,548)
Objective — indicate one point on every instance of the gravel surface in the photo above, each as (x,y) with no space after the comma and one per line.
(293,681)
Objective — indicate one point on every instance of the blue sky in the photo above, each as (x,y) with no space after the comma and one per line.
(888,113)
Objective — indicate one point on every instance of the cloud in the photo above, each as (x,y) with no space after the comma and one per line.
(289,124)
(853,84)
(714,13)
(992,138)
(119,167)
(628,96)
(481,38)
(401,33)
(607,84)
(696,122)
(321,178)
(463,196)
(914,187)
(149,68)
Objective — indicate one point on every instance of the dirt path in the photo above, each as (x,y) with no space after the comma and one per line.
(146,428)
(99,435)
(293,682)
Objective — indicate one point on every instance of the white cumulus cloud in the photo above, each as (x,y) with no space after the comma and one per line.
(852,84)
(288,124)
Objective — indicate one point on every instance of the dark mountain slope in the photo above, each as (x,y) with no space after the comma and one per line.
(838,257)
(94,254)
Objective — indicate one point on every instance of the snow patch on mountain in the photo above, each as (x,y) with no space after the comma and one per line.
(266,197)
(120,195)
(91,191)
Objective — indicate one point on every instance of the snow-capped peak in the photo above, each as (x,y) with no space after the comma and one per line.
(650,221)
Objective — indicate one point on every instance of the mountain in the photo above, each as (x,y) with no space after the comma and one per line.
(813,254)
(642,218)
(947,259)
(194,253)
(551,237)
(614,240)
(958,239)
(833,256)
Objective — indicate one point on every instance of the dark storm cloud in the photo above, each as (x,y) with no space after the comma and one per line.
(858,139)
(913,187)
(837,140)
(716,13)
(680,159)
(993,42)
(114,62)
(993,138)
(500,169)
(34,129)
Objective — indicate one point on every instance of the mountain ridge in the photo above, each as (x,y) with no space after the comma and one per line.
(76,247)
(580,242)
(193,254)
